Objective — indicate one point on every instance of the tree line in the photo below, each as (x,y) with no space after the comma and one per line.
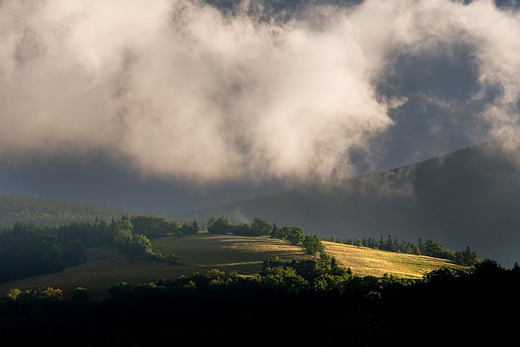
(260,227)
(430,247)
(312,244)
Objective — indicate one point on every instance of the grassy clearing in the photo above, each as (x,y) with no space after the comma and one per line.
(104,268)
(371,262)
(226,252)
(202,252)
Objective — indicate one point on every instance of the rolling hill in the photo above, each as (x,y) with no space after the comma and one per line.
(469,197)
(106,267)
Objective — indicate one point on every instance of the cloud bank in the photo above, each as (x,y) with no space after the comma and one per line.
(190,92)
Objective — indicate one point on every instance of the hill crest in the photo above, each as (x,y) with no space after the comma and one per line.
(465,198)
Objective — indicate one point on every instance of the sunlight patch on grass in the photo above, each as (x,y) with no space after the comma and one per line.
(371,262)
(107,267)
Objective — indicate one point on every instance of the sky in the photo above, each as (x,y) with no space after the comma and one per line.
(172,105)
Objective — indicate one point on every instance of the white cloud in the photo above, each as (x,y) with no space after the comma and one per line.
(188,92)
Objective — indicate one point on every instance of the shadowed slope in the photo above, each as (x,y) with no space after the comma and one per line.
(469,197)
(106,267)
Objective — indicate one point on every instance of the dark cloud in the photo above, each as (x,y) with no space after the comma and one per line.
(439,115)
(179,105)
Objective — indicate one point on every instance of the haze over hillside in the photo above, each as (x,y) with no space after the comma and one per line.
(38,211)
(467,198)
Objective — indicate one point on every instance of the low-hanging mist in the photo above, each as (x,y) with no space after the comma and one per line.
(187,91)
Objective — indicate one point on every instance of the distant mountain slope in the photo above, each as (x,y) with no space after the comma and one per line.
(469,197)
(15,209)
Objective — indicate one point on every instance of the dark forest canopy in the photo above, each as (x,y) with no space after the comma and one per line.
(305,303)
(21,209)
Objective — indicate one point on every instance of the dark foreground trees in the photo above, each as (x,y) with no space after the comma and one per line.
(310,303)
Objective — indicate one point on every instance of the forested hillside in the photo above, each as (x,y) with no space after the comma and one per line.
(466,198)
(19,209)
(29,250)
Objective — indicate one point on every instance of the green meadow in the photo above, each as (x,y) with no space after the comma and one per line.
(201,252)
(106,267)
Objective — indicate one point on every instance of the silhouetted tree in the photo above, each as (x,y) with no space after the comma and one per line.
(220,226)
(140,246)
(433,248)
(466,257)
(261,227)
(243,229)
(312,244)
(295,235)
(75,253)
(173,258)
(189,229)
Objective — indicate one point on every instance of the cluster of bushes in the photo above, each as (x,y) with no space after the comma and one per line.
(276,276)
(223,225)
(128,242)
(431,248)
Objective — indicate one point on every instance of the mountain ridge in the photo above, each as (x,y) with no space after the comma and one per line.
(465,198)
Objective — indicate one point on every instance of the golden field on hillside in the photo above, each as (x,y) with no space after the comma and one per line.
(371,262)
(106,267)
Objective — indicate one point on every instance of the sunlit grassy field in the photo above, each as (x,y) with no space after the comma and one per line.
(202,252)
(226,252)
(370,262)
